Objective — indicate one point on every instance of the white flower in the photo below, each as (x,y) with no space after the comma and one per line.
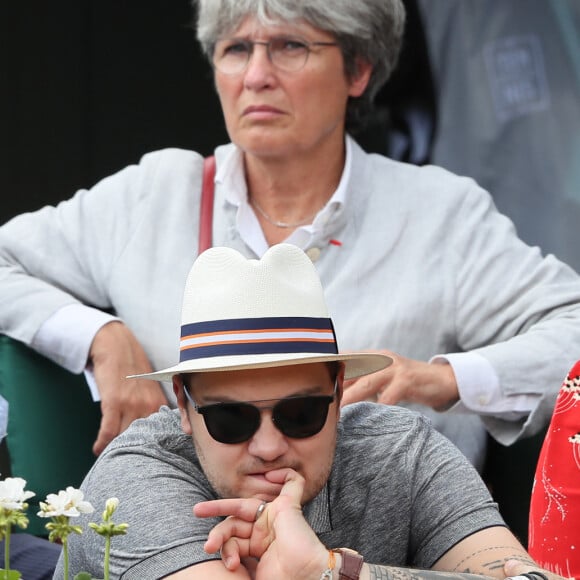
(112,504)
(67,503)
(12,494)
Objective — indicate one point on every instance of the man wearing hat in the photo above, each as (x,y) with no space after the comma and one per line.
(259,437)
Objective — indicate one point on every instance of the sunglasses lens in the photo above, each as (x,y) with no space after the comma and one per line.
(231,423)
(301,417)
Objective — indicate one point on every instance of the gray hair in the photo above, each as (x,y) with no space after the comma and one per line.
(368,30)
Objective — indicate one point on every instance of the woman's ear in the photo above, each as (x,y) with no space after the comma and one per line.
(360,79)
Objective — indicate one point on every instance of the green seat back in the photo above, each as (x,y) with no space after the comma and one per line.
(52,424)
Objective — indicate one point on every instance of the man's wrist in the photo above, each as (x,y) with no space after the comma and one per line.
(328,573)
(349,564)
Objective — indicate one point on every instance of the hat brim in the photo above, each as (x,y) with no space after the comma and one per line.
(356,364)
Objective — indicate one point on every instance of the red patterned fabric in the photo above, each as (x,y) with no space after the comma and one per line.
(554,531)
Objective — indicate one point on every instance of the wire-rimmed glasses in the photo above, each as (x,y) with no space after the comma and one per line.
(231,56)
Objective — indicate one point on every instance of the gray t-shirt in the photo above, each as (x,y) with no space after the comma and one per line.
(399,493)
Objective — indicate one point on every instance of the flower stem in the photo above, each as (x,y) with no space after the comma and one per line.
(107,555)
(7,550)
(65,557)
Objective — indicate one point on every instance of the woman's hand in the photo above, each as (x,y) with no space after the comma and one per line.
(116,353)
(433,385)
(280,538)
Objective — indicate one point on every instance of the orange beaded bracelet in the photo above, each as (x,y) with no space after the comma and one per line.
(327,574)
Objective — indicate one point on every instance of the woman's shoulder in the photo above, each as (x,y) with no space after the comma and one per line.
(381,170)
(175,161)
(437,179)
(169,157)
(412,190)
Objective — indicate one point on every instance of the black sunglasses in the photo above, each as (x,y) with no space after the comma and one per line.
(295,417)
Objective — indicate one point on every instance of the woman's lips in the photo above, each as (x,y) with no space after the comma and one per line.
(261,112)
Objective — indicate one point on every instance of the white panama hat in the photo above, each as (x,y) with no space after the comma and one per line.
(240,313)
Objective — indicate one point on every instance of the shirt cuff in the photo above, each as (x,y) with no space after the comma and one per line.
(66,336)
(480,390)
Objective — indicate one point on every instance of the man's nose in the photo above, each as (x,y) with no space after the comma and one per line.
(268,443)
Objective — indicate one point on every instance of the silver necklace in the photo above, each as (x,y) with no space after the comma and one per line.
(278,224)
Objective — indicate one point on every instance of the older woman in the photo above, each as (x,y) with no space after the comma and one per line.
(416,262)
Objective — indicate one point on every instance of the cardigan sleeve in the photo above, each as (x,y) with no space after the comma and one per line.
(517,309)
(63,255)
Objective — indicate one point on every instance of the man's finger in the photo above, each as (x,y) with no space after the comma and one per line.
(229,528)
(293,484)
(517,567)
(245,509)
(232,552)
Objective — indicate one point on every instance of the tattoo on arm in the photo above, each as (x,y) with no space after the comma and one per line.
(379,573)
(390,573)
(492,565)
(461,572)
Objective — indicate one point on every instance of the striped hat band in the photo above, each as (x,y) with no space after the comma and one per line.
(251,336)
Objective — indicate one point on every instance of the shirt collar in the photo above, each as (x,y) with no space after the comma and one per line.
(231,180)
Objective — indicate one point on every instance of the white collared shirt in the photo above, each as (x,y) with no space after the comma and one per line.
(230,175)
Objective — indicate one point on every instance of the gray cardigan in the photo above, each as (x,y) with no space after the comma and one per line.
(426,265)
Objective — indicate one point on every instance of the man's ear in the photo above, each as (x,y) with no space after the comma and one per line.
(182,403)
(340,381)
(360,79)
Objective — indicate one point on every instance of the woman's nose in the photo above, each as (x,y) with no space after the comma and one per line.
(260,70)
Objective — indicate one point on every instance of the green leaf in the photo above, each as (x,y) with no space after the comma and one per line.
(9,575)
(84,576)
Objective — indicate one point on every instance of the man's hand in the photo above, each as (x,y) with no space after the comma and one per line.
(116,353)
(281,538)
(517,567)
(433,385)
(287,547)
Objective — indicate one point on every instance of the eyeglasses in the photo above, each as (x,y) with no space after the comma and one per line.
(231,56)
(295,417)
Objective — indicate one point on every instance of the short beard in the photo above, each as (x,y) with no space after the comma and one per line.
(311,487)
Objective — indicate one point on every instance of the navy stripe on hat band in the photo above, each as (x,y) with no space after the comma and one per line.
(251,336)
(256,324)
(257,348)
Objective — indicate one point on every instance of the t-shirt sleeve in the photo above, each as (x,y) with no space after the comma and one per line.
(157,484)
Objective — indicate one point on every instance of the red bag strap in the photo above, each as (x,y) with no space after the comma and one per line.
(206,205)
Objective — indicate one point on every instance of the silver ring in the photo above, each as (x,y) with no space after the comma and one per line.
(260,511)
